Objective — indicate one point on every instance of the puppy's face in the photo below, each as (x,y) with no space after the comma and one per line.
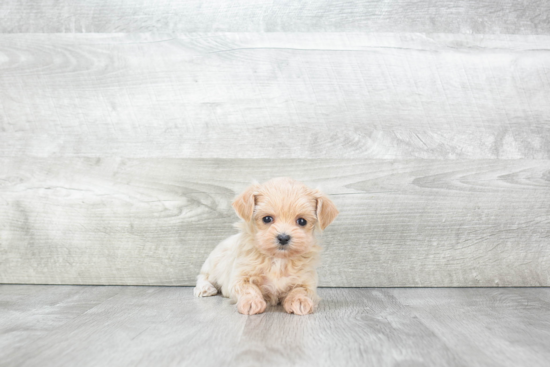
(284,214)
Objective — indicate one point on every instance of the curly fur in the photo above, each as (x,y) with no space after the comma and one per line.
(252,268)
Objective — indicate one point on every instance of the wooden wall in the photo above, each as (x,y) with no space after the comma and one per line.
(126,128)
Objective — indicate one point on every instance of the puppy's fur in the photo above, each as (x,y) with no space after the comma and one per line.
(253,267)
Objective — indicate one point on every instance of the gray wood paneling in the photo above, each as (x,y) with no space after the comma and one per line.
(313,95)
(154,221)
(126,128)
(451,16)
(145,326)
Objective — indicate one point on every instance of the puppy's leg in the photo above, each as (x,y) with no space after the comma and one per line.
(213,274)
(301,301)
(204,288)
(249,298)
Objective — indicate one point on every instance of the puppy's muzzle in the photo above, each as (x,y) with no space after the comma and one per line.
(283,238)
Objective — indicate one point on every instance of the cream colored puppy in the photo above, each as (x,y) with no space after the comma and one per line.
(274,256)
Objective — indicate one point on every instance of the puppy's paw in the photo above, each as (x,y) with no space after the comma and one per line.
(299,305)
(251,305)
(204,289)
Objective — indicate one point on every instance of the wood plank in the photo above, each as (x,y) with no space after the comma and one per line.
(488,327)
(125,16)
(141,326)
(281,95)
(144,326)
(352,327)
(154,221)
(28,314)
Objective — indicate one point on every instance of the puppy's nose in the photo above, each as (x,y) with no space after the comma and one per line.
(283,238)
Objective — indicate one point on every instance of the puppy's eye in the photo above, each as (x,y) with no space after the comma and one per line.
(267,219)
(301,222)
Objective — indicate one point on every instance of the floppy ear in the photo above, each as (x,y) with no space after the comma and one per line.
(244,203)
(326,210)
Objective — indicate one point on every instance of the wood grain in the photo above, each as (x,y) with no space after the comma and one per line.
(476,329)
(29,314)
(144,326)
(165,16)
(127,127)
(154,221)
(280,95)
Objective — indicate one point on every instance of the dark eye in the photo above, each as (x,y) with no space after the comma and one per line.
(301,222)
(267,219)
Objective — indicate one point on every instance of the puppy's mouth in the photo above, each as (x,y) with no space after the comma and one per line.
(283,248)
(283,251)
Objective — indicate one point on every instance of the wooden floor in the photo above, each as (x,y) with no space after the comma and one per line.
(166,326)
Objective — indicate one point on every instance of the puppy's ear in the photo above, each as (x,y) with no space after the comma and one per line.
(326,210)
(244,203)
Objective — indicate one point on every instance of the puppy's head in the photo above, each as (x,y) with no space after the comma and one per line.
(284,214)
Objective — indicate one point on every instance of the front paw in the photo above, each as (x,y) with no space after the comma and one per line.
(299,305)
(251,305)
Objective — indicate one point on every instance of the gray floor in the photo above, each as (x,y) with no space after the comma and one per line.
(141,326)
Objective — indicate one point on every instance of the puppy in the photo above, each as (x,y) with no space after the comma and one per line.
(274,256)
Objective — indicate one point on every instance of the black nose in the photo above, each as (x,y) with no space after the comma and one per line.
(283,239)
